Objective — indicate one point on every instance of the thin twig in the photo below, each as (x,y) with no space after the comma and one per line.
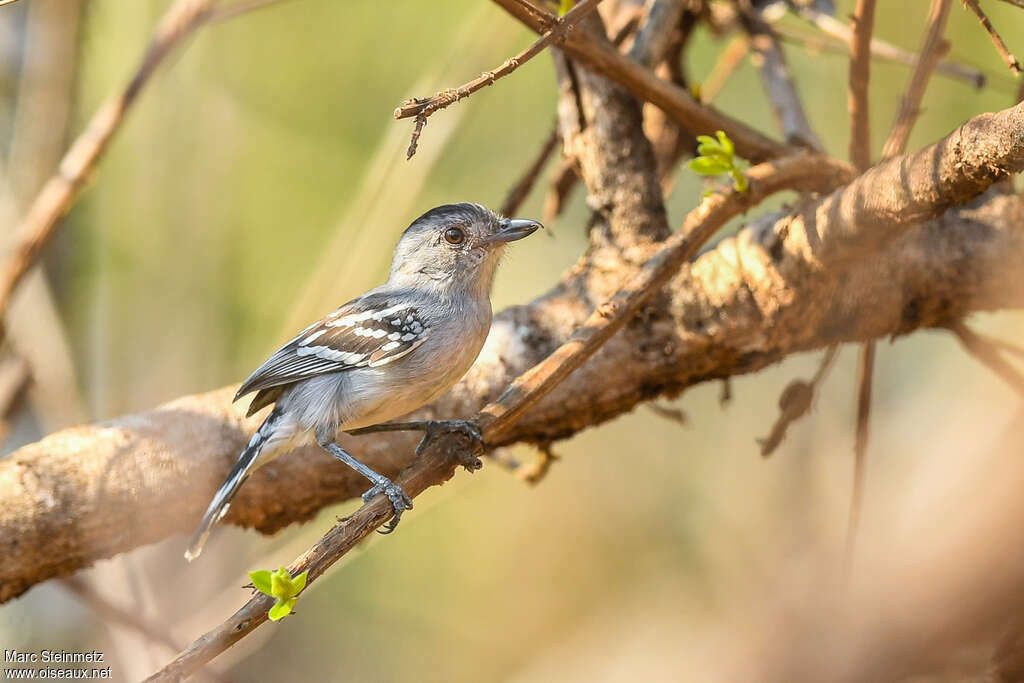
(57,195)
(932,49)
(865,377)
(646,85)
(521,190)
(1000,46)
(421,109)
(860,154)
(860,72)
(439,458)
(669,413)
(534,472)
(880,48)
(728,61)
(794,402)
(778,82)
(988,354)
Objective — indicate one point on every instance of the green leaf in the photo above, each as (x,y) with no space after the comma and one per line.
(261,579)
(281,609)
(726,143)
(707,140)
(695,91)
(706,150)
(708,166)
(299,582)
(565,6)
(281,584)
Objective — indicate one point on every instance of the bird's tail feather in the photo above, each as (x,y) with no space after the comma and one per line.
(239,473)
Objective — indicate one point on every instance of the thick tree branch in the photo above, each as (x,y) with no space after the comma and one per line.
(437,462)
(94,491)
(642,82)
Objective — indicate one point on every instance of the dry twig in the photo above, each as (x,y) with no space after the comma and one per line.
(521,190)
(728,61)
(645,85)
(794,402)
(997,41)
(839,43)
(910,106)
(778,82)
(860,155)
(58,194)
(860,69)
(421,109)
(988,354)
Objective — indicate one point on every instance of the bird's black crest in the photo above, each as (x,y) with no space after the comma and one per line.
(453,213)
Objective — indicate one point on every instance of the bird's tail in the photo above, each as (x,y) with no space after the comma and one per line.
(239,473)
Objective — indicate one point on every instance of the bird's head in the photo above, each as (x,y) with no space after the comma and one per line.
(455,247)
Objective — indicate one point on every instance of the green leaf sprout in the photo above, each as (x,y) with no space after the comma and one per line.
(719,156)
(281,586)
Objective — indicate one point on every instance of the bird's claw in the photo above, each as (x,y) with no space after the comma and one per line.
(400,501)
(468,428)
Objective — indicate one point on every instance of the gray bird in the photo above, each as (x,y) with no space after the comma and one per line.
(381,355)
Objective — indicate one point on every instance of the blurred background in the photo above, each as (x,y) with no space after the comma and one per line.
(261,180)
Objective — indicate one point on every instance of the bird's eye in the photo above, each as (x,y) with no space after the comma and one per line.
(454,236)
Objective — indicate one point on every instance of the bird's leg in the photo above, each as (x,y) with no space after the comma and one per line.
(431,430)
(400,502)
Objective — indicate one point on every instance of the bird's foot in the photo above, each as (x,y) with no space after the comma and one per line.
(400,501)
(435,428)
(431,430)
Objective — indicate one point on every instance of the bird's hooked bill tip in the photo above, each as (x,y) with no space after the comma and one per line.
(511,229)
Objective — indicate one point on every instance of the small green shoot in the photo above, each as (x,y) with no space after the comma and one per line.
(281,586)
(564,6)
(719,156)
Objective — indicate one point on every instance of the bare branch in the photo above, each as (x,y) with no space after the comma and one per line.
(910,106)
(988,355)
(675,101)
(162,465)
(794,402)
(860,68)
(521,190)
(839,43)
(997,41)
(424,107)
(728,61)
(778,82)
(58,194)
(865,377)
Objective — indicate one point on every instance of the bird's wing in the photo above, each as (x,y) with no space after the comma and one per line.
(367,332)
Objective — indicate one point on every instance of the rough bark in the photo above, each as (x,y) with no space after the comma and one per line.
(789,284)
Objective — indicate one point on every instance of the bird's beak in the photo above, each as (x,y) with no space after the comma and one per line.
(512,229)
